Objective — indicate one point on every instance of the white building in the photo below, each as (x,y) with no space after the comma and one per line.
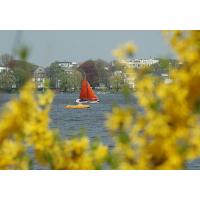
(130,80)
(39,77)
(3,69)
(67,64)
(137,63)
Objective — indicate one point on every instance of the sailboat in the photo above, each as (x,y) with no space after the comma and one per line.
(87,95)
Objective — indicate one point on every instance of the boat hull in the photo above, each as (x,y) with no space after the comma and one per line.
(86,101)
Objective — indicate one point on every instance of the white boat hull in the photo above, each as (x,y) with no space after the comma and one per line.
(79,101)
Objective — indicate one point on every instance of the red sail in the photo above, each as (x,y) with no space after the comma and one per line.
(86,92)
(83,93)
(91,94)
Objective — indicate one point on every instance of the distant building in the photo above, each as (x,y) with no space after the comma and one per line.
(130,81)
(3,69)
(67,64)
(137,63)
(39,76)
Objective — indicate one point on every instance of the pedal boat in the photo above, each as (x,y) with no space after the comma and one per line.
(78,106)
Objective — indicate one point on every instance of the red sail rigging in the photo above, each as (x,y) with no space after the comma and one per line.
(86,92)
(83,93)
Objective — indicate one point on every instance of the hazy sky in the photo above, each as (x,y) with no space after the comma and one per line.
(48,46)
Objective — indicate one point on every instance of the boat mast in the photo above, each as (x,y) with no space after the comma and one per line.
(86,84)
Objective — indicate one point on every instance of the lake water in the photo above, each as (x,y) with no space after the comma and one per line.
(69,122)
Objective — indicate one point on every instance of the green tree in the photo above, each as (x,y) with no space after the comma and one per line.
(7,80)
(23,71)
(166,64)
(46,83)
(117,81)
(103,72)
(89,70)
(55,74)
(71,81)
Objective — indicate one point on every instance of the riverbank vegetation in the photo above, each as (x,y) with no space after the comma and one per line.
(165,135)
(14,73)
(102,75)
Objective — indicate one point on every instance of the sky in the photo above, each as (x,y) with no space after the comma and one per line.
(81,45)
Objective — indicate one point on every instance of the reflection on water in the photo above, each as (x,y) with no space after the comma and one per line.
(70,121)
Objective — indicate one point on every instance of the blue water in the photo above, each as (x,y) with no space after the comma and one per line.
(69,122)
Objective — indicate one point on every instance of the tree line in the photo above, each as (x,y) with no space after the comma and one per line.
(14,73)
(100,74)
